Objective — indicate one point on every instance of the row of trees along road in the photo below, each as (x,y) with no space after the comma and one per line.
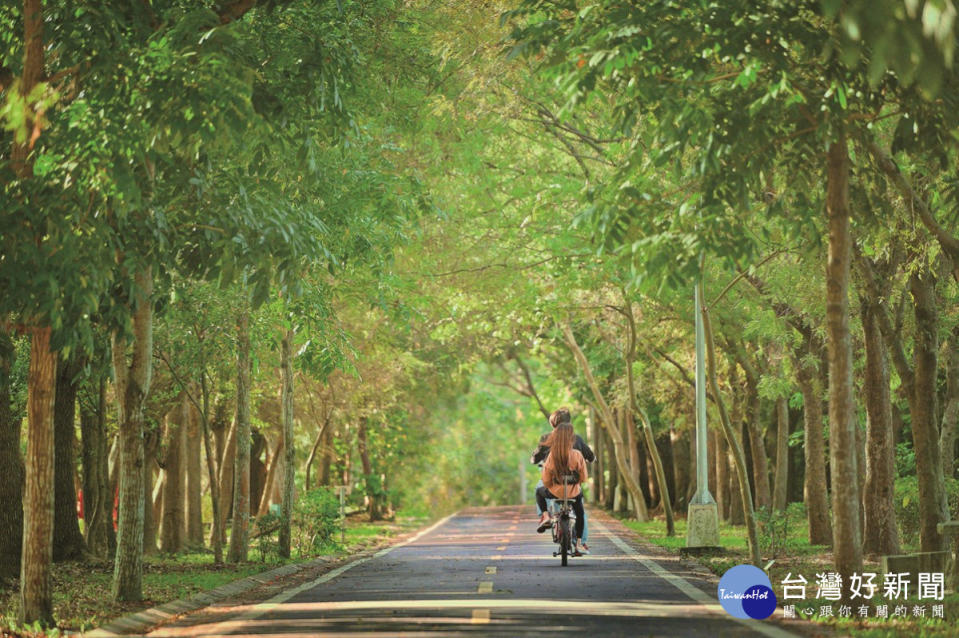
(215,252)
(745,111)
(180,181)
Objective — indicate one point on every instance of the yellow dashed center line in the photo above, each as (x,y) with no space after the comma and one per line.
(501,548)
(480,617)
(490,570)
(485,587)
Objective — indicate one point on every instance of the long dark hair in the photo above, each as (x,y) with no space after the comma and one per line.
(560,444)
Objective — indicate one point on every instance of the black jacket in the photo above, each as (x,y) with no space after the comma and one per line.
(543,450)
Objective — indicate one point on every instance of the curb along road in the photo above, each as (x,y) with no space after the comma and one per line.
(140,621)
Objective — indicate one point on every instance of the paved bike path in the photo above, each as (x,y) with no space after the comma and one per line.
(486,572)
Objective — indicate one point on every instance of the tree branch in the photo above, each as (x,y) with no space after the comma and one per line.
(529,384)
(949,243)
(889,332)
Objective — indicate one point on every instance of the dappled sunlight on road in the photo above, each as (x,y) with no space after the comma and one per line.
(459,578)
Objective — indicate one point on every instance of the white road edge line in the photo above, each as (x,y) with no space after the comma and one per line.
(687,588)
(269,605)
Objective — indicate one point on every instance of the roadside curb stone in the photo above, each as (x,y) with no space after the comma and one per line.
(140,621)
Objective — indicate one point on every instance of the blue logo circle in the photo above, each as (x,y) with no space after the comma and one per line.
(759,602)
(745,591)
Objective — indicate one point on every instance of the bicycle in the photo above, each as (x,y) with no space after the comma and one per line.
(563,520)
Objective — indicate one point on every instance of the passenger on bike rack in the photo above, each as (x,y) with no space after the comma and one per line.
(563,459)
(562,416)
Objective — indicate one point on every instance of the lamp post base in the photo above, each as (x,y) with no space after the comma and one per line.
(702,525)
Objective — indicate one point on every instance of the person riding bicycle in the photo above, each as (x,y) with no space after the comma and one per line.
(563,459)
(562,416)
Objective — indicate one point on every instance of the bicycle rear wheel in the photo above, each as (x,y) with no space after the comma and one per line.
(564,541)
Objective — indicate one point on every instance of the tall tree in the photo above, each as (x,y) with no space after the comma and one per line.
(815,489)
(97,495)
(173,520)
(289,448)
(782,455)
(847,538)
(880,534)
(67,539)
(133,372)
(239,537)
(36,589)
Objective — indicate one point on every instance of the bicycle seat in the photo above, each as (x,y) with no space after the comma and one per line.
(571,479)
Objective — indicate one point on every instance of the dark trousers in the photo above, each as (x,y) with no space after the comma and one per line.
(542,494)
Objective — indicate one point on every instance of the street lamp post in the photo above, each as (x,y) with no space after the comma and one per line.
(702,516)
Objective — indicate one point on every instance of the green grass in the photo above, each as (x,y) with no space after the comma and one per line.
(730,536)
(81,591)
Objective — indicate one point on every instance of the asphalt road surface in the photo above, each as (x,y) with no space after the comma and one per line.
(486,572)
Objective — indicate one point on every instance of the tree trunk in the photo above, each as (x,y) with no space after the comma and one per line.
(240,534)
(133,385)
(880,535)
(67,538)
(950,413)
(847,546)
(36,591)
(289,467)
(11,488)
(308,466)
(664,449)
(933,506)
(257,470)
(194,480)
(216,535)
(646,480)
(371,482)
(97,499)
(721,483)
(173,523)
(658,470)
(681,458)
(598,491)
(613,483)
(610,424)
(782,455)
(327,459)
(219,426)
(814,450)
(737,515)
(151,498)
(637,463)
(226,482)
(757,445)
(269,485)
(36,595)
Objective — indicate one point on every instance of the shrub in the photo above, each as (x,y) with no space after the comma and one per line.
(267,527)
(775,527)
(316,521)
